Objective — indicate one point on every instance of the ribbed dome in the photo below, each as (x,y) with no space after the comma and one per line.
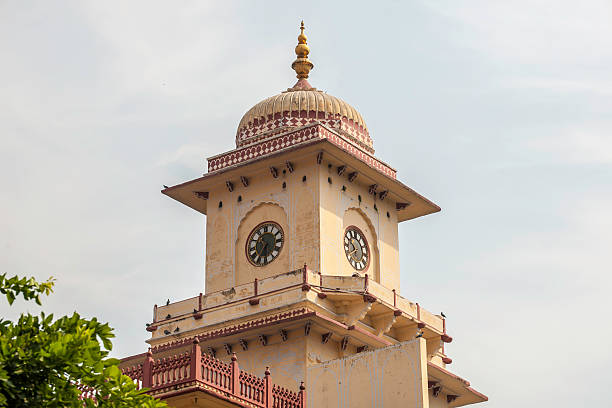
(298,107)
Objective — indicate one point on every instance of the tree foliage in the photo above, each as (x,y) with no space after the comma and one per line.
(47,362)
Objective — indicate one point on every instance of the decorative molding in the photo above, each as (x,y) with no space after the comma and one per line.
(292,138)
(279,318)
(266,128)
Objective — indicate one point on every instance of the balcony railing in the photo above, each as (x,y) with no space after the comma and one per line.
(198,306)
(194,369)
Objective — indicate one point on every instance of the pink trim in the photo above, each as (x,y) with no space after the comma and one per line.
(478,394)
(292,138)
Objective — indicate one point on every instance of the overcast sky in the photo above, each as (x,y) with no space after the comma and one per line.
(498,111)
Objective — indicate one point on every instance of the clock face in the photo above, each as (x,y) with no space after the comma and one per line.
(356,248)
(264,243)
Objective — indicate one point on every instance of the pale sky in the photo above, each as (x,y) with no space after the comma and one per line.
(498,111)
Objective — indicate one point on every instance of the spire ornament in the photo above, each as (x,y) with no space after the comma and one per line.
(302,65)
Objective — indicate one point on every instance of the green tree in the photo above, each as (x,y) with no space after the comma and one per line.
(47,362)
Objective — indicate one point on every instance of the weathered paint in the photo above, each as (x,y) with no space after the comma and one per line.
(394,376)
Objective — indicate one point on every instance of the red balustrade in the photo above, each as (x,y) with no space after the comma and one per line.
(135,373)
(171,371)
(216,373)
(283,398)
(252,388)
(87,392)
(195,367)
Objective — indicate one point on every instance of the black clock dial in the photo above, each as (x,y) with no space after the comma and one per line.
(356,248)
(264,243)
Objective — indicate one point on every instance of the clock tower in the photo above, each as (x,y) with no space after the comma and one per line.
(302,252)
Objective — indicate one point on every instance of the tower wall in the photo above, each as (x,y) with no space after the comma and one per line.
(343,204)
(293,206)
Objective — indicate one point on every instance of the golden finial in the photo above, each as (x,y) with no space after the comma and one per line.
(302,64)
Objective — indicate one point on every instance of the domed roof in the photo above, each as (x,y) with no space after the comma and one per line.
(300,106)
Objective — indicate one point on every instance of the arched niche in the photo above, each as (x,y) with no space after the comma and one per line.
(247,272)
(356,217)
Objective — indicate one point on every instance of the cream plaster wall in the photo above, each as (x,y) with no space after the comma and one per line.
(357,217)
(262,212)
(317,352)
(293,206)
(394,376)
(341,208)
(313,214)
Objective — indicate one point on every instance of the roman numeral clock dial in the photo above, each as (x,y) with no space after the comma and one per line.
(356,248)
(265,243)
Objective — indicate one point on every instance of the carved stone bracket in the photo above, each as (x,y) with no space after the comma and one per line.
(283,334)
(263,339)
(383,323)
(406,333)
(354,311)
